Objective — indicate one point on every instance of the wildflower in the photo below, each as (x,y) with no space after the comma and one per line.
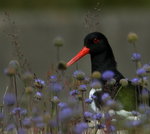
(88,101)
(145,94)
(9,71)
(62,66)
(55,99)
(111,103)
(96,75)
(22,131)
(14,64)
(29,90)
(40,125)
(1,116)
(135,81)
(74,92)
(56,87)
(132,37)
(146,67)
(62,105)
(37,119)
(82,88)
(88,114)
(16,110)
(79,75)
(39,83)
(94,97)
(58,42)
(123,82)
(100,126)
(10,127)
(136,57)
(96,85)
(9,99)
(107,75)
(112,128)
(111,82)
(97,116)
(141,72)
(38,95)
(105,97)
(81,127)
(53,78)
(27,122)
(65,114)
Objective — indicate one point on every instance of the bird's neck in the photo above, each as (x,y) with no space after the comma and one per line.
(105,61)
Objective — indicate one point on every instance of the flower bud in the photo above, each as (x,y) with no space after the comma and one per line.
(58,42)
(28,90)
(132,37)
(62,66)
(123,82)
(96,75)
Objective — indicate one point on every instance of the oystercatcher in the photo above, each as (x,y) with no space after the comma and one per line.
(102,59)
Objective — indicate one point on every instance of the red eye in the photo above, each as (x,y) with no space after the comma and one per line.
(96,41)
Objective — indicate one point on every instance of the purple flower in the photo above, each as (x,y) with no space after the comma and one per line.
(112,128)
(56,87)
(135,81)
(94,97)
(74,92)
(27,122)
(1,116)
(37,119)
(10,127)
(88,114)
(16,110)
(101,126)
(9,99)
(62,105)
(107,75)
(136,57)
(65,113)
(22,131)
(88,101)
(97,116)
(39,81)
(141,72)
(96,85)
(82,88)
(81,127)
(40,125)
(105,96)
(53,78)
(79,75)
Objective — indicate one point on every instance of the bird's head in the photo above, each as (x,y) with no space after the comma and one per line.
(94,43)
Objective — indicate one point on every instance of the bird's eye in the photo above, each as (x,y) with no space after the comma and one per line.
(96,41)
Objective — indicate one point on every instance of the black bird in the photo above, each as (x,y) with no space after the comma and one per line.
(102,59)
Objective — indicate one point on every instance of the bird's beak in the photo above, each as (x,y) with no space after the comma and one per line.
(82,53)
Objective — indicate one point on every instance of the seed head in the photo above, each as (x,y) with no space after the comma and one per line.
(132,37)
(79,75)
(96,75)
(107,75)
(29,90)
(27,76)
(58,42)
(62,66)
(123,82)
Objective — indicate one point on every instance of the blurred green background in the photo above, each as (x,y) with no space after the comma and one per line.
(38,23)
(69,4)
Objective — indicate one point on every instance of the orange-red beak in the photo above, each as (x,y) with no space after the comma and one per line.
(82,53)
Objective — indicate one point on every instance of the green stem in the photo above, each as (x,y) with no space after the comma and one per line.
(117,92)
